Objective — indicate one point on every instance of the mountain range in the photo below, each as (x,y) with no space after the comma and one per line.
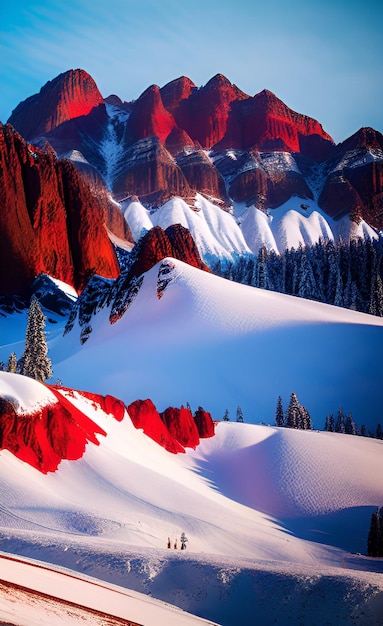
(274,177)
(129,222)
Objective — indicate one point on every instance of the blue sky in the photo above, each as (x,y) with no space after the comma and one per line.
(323,59)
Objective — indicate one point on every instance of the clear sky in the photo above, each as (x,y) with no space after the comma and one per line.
(323,58)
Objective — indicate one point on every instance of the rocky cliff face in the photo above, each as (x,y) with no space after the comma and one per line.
(176,242)
(48,434)
(49,221)
(70,95)
(59,430)
(160,140)
(215,139)
(355,180)
(174,429)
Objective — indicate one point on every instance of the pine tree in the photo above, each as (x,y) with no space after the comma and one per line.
(293,412)
(226,417)
(376,295)
(340,426)
(279,413)
(306,423)
(329,425)
(379,431)
(12,363)
(350,426)
(374,539)
(307,287)
(239,414)
(34,361)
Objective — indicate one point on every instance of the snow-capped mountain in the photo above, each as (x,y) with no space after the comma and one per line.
(118,217)
(262,508)
(214,139)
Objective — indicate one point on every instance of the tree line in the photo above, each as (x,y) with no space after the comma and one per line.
(346,275)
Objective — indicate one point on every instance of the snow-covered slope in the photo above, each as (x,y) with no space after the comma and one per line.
(261,507)
(211,342)
(215,231)
(34,593)
(223,235)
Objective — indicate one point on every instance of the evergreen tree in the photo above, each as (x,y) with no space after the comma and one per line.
(226,417)
(363,431)
(307,287)
(376,295)
(374,540)
(330,423)
(2,366)
(293,412)
(12,363)
(297,416)
(262,273)
(306,423)
(379,431)
(239,414)
(279,413)
(34,361)
(350,426)
(340,426)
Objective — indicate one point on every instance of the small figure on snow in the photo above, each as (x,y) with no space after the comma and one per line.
(169,544)
(184,539)
(175,545)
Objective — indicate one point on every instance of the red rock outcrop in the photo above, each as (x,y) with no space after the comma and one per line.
(265,123)
(151,173)
(59,430)
(268,190)
(47,435)
(175,92)
(149,118)
(201,174)
(204,422)
(181,425)
(49,221)
(69,95)
(157,244)
(144,415)
(356,184)
(174,429)
(204,114)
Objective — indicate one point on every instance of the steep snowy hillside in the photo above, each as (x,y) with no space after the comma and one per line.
(222,235)
(184,335)
(254,502)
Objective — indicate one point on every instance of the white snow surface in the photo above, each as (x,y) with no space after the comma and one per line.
(219,234)
(219,344)
(262,507)
(215,232)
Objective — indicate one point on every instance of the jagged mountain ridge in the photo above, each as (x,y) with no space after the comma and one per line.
(179,139)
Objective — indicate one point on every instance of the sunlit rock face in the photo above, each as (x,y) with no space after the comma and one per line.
(69,95)
(50,222)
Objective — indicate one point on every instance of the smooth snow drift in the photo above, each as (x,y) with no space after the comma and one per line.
(261,507)
(219,344)
(222,235)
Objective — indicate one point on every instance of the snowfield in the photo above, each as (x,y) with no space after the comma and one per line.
(219,344)
(222,235)
(263,509)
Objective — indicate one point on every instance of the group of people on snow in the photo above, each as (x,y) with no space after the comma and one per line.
(183,540)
